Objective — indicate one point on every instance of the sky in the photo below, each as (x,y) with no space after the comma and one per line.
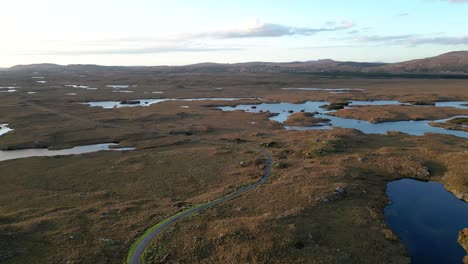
(179,32)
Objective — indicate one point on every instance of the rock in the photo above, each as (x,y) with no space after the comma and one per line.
(290,111)
(280,165)
(253,107)
(130,102)
(270,144)
(340,191)
(181,204)
(107,241)
(243,164)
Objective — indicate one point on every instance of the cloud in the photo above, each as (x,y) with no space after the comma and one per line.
(256,29)
(259,30)
(143,50)
(413,40)
(377,38)
(403,14)
(189,42)
(440,40)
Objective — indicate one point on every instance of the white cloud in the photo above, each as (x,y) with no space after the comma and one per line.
(190,42)
(413,40)
(260,29)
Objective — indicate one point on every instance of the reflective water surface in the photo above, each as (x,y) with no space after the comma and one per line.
(427,218)
(4,129)
(284,110)
(25,153)
(147,102)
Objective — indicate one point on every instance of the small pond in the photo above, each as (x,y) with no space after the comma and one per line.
(118,86)
(78,86)
(4,129)
(25,153)
(427,218)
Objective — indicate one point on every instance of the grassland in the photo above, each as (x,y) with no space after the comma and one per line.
(91,208)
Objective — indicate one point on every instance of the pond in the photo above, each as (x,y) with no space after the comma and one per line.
(4,129)
(331,90)
(148,102)
(118,86)
(78,86)
(284,110)
(427,218)
(25,153)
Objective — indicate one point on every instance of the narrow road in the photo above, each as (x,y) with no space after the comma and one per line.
(140,245)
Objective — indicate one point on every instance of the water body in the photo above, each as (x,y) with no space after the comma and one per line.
(122,91)
(456,104)
(379,102)
(80,86)
(25,153)
(8,87)
(284,110)
(148,102)
(325,89)
(7,91)
(118,86)
(4,129)
(427,219)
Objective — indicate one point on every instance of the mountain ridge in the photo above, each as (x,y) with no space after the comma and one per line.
(455,62)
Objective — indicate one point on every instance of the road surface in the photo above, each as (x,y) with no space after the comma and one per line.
(140,245)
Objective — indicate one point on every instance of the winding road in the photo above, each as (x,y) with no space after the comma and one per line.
(140,245)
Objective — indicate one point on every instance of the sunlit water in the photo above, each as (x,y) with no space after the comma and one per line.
(325,89)
(4,129)
(25,153)
(427,219)
(148,102)
(80,86)
(118,86)
(284,110)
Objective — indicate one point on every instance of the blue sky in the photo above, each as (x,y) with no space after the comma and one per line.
(154,32)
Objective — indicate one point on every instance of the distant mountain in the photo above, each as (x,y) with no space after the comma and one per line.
(449,63)
(38,67)
(452,62)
